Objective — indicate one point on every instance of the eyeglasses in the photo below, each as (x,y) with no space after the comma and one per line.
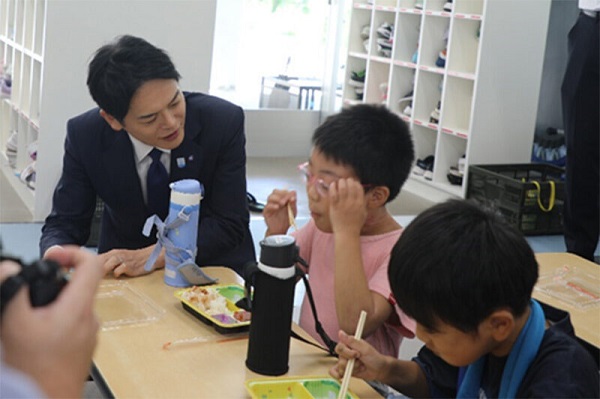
(308,177)
(321,186)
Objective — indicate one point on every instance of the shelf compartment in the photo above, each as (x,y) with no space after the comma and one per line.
(464,46)
(406,37)
(402,83)
(468,8)
(433,40)
(40,17)
(353,64)
(428,93)
(378,74)
(457,106)
(425,141)
(382,15)
(361,17)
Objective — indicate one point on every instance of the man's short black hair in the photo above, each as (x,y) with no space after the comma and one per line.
(119,68)
(372,140)
(457,262)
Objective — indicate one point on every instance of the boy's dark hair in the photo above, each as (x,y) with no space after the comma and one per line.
(457,262)
(118,69)
(371,139)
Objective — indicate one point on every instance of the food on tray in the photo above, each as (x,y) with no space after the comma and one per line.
(208,300)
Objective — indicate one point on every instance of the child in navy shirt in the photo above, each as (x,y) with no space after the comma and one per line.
(466,277)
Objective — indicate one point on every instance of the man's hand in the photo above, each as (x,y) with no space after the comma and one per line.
(130,262)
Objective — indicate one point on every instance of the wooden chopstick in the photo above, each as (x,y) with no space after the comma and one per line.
(350,365)
(291,217)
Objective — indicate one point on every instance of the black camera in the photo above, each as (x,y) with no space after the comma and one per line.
(45,278)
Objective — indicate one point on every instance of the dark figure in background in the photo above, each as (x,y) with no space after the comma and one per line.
(581,113)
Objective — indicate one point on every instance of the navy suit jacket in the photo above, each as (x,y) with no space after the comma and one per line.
(99,161)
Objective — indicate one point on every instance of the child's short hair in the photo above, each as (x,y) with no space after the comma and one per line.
(119,68)
(457,262)
(372,140)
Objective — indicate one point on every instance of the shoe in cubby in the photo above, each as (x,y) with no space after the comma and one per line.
(385,31)
(441,60)
(365,31)
(448,6)
(423,165)
(419,4)
(435,114)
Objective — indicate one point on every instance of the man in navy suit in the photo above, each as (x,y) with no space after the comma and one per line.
(141,107)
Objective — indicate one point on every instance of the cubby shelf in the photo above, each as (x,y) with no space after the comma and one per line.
(488,87)
(22,27)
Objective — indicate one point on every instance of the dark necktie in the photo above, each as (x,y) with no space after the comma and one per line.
(157,186)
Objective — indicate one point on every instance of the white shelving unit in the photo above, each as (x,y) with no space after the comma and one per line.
(48,45)
(488,87)
(22,28)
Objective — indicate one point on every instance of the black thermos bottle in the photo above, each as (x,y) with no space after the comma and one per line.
(272,305)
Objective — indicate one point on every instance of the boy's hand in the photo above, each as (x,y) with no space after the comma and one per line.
(347,206)
(368,365)
(276,213)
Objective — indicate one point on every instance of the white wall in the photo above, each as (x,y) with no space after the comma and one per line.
(279,133)
(75,29)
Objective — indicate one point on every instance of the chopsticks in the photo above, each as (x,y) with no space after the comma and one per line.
(198,340)
(291,217)
(350,365)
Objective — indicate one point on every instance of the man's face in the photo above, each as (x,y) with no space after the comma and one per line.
(156,114)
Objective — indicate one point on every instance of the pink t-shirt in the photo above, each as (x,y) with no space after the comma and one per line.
(317,248)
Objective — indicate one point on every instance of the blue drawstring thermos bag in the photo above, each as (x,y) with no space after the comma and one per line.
(178,235)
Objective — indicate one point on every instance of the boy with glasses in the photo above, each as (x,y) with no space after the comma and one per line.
(360,159)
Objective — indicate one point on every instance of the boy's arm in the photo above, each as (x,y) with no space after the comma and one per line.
(275,212)
(348,213)
(404,376)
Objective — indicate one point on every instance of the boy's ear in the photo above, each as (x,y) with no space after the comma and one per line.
(377,196)
(501,324)
(112,121)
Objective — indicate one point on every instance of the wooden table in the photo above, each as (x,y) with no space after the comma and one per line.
(130,362)
(585,320)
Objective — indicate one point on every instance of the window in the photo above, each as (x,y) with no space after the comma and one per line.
(271,53)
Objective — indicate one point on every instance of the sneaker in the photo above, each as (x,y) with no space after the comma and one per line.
(448,6)
(419,4)
(415,56)
(385,31)
(365,31)
(428,175)
(435,114)
(6,86)
(422,165)
(408,110)
(454,176)
(359,91)
(357,78)
(407,97)
(27,176)
(441,61)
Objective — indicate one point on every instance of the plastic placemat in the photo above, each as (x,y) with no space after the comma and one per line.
(118,304)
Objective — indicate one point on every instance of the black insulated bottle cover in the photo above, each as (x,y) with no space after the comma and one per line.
(272,305)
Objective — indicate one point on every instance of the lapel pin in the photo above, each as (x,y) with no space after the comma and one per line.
(181,162)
